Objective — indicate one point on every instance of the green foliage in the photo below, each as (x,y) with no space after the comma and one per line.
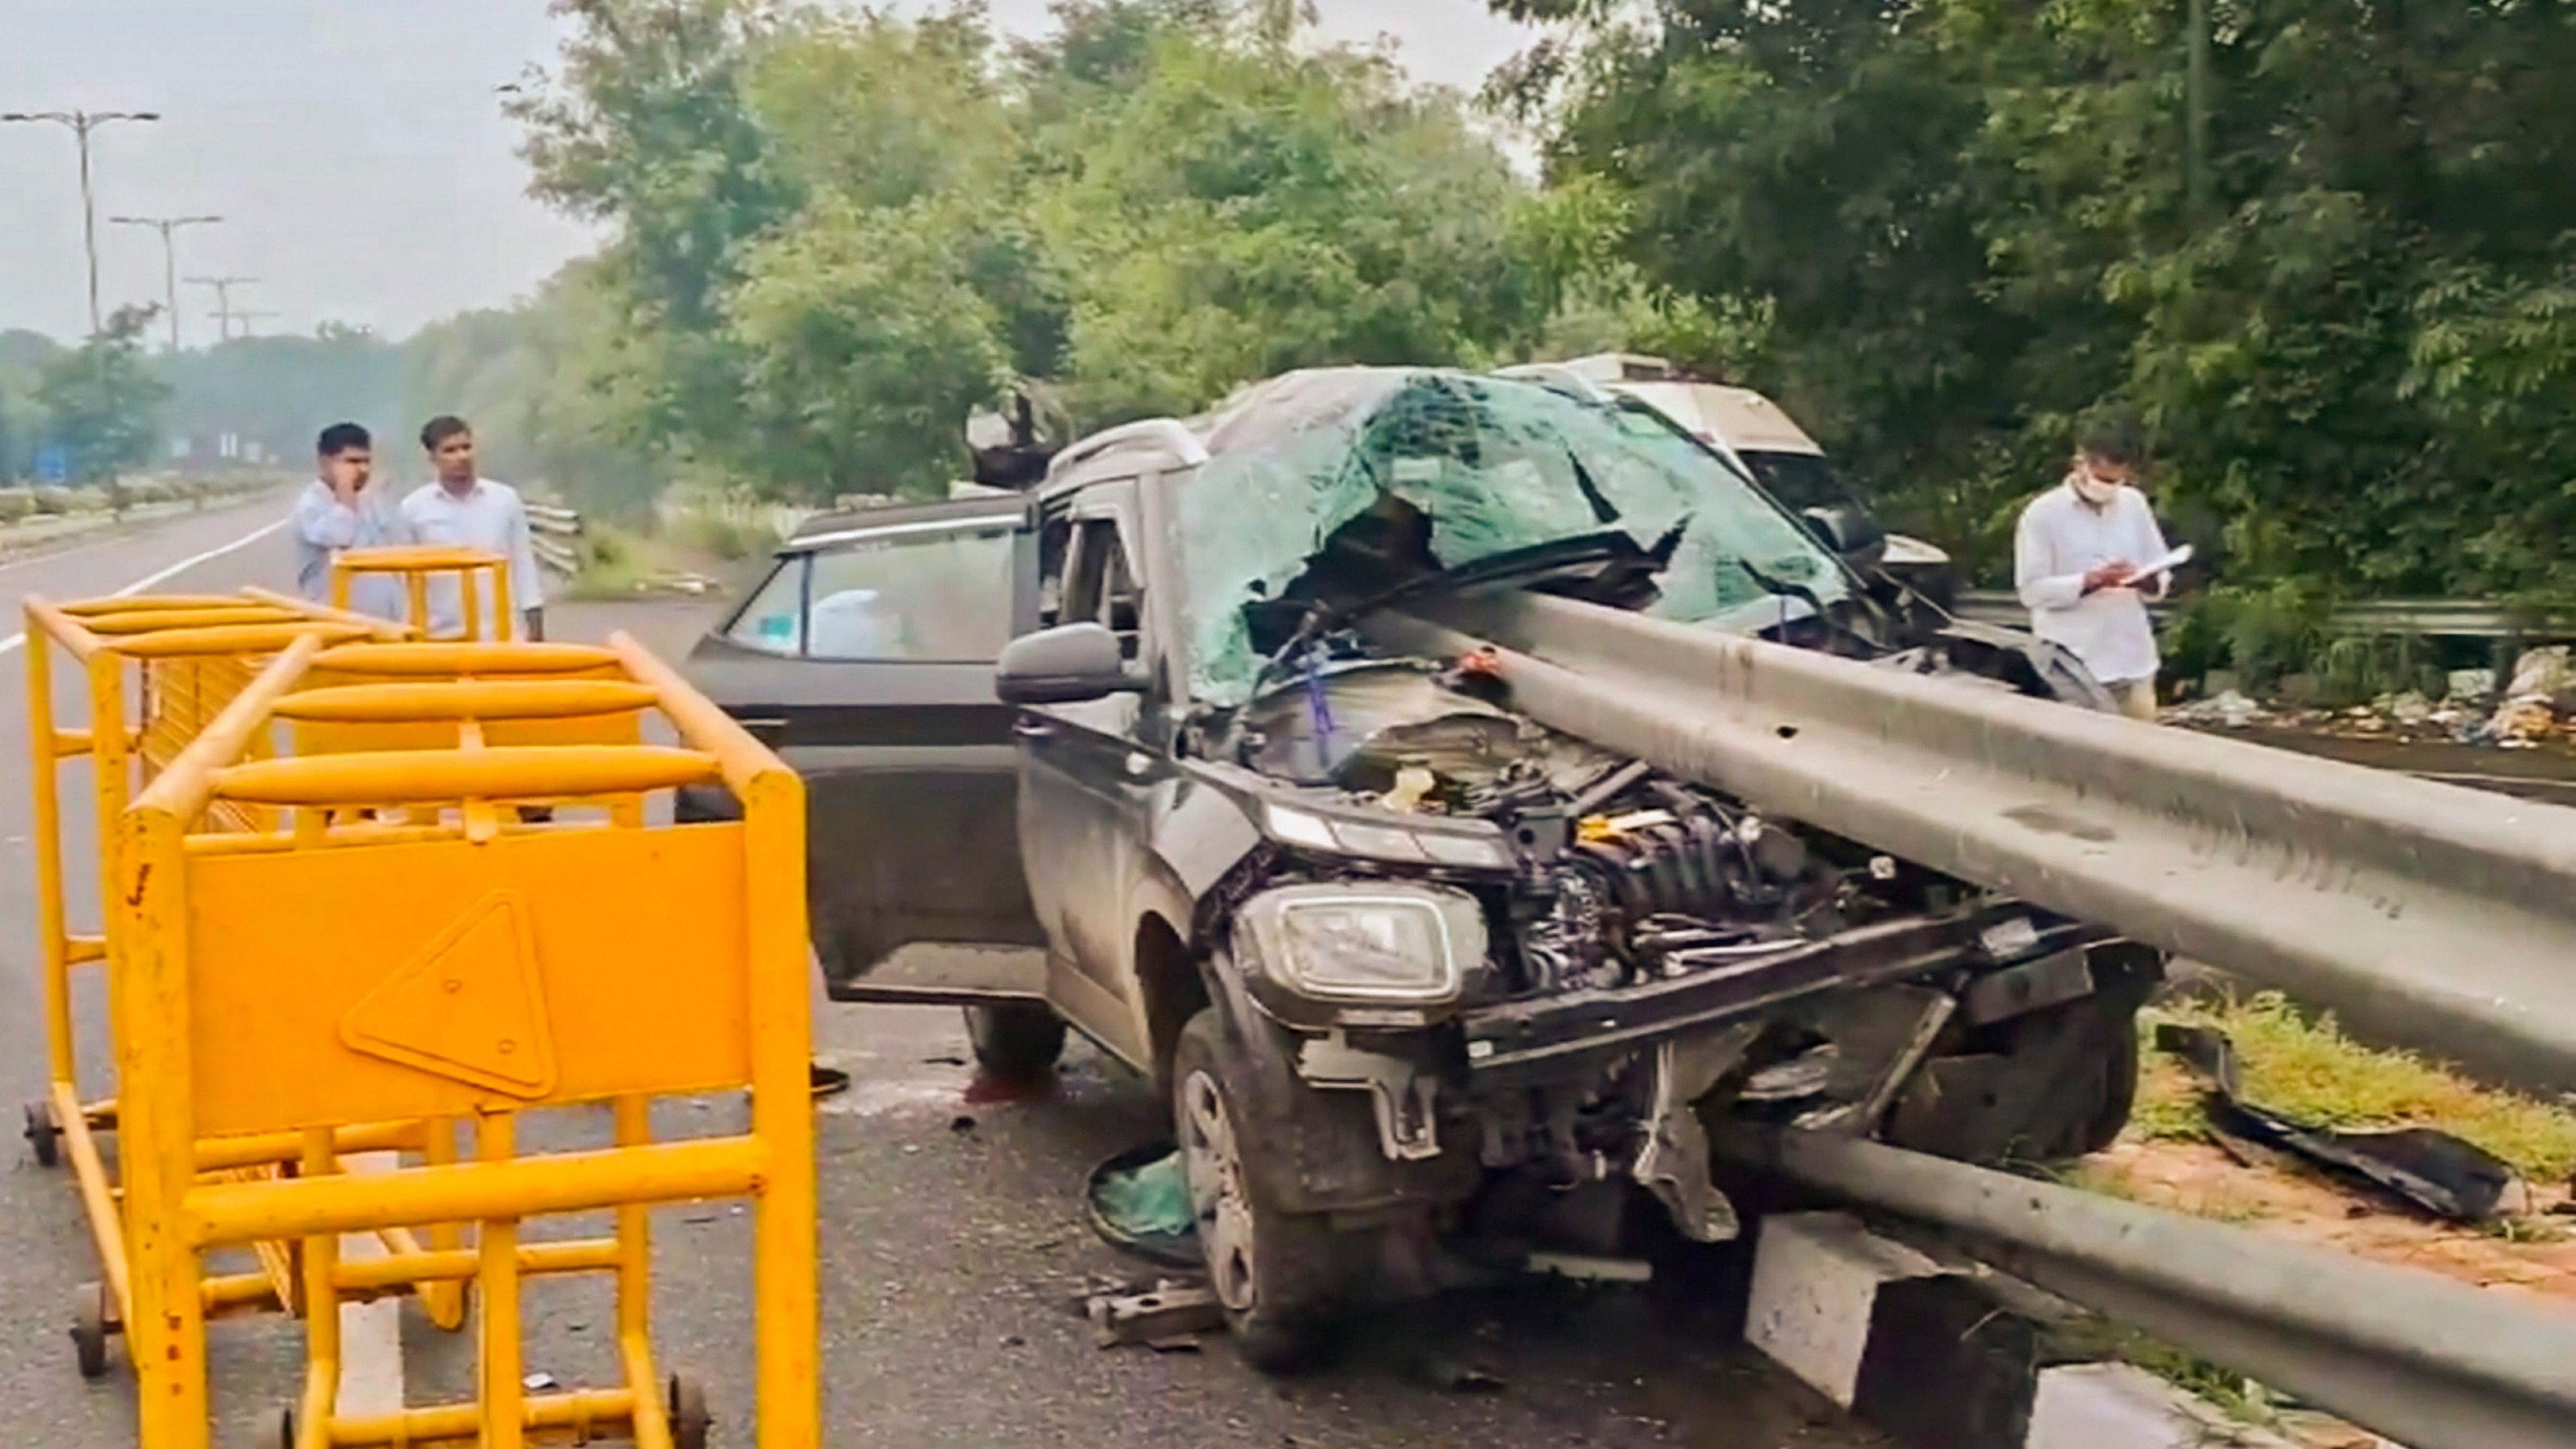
(1249,207)
(869,345)
(837,234)
(1974,223)
(100,399)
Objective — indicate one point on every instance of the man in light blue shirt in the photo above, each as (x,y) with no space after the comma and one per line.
(336,512)
(463,509)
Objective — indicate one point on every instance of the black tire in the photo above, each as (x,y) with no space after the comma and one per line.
(277,1430)
(44,1134)
(89,1333)
(1017,1041)
(691,1424)
(2119,1095)
(1283,1278)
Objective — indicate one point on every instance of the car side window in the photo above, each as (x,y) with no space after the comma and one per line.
(1101,588)
(773,621)
(1055,551)
(913,597)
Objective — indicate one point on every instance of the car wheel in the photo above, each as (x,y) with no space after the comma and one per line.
(2117,1095)
(1281,1277)
(1017,1041)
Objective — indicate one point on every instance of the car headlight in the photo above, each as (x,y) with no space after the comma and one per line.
(1370,943)
(1390,839)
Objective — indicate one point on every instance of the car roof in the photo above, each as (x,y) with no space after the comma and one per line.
(825,529)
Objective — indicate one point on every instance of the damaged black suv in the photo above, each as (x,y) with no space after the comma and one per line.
(1430,987)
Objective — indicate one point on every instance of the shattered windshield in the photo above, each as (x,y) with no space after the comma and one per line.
(1492,465)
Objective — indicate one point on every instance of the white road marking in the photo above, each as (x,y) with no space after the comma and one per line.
(173,571)
(371,1359)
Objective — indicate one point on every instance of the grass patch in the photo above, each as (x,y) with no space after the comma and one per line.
(2303,1066)
(718,538)
(2233,1394)
(614,564)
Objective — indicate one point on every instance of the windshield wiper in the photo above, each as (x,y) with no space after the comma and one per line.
(1323,618)
(1780,588)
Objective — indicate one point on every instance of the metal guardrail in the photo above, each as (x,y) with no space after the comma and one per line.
(2438,618)
(2427,915)
(554,536)
(2426,1360)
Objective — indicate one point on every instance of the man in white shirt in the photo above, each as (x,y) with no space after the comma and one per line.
(337,512)
(2075,561)
(463,509)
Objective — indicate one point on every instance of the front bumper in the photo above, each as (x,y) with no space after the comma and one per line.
(1572,1032)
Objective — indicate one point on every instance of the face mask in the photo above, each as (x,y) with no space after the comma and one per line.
(2091,489)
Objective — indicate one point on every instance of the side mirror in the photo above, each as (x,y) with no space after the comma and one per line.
(1849,532)
(1068,664)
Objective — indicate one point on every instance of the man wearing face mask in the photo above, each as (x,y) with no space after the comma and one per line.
(2075,561)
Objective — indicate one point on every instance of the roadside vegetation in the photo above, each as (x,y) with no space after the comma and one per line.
(2337,283)
(2300,1064)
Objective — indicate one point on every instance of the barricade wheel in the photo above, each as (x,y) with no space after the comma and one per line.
(277,1431)
(89,1330)
(690,1421)
(44,1134)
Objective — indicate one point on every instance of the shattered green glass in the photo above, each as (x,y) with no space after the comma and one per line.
(1495,465)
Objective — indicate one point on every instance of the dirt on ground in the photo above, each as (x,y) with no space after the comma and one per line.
(2533,1254)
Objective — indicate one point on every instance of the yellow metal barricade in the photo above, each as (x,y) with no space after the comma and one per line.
(155,671)
(417,566)
(462,962)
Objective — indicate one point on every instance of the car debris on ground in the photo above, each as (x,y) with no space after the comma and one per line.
(2436,1172)
(2536,708)
(1167,1317)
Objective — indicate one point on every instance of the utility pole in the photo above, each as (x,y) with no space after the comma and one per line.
(168,226)
(245,318)
(80,124)
(2196,125)
(223,313)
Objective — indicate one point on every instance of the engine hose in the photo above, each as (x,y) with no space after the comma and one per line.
(1714,843)
(1680,887)
(1619,867)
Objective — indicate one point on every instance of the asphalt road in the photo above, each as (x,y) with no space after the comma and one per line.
(953,1248)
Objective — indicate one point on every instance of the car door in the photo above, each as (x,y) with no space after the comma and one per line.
(866,660)
(1085,774)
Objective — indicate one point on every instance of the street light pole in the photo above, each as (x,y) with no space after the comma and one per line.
(167,226)
(223,286)
(81,123)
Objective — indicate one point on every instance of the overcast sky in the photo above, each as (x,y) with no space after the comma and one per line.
(355,147)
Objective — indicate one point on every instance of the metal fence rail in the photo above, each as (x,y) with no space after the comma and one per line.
(555,535)
(2433,1363)
(2427,915)
(2439,618)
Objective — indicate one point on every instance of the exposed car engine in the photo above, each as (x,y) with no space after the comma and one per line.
(1622,875)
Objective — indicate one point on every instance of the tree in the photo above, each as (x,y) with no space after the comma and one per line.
(1971,223)
(101,399)
(870,346)
(23,355)
(1244,204)
(839,234)
(646,125)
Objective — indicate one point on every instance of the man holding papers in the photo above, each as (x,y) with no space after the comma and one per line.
(2085,556)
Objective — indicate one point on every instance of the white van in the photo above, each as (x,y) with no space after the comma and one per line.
(1756,435)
